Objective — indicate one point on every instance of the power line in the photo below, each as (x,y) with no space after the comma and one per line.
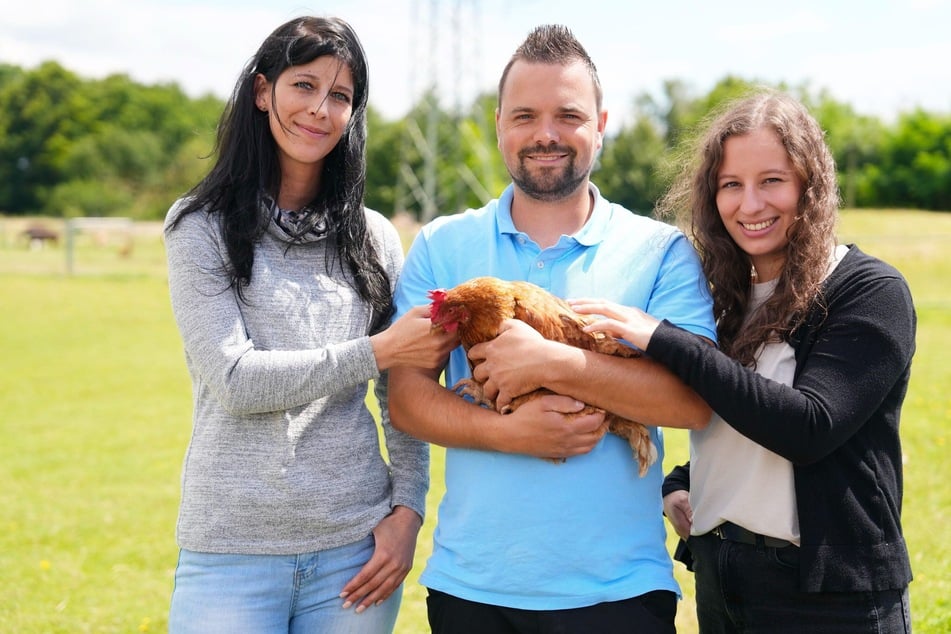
(440,70)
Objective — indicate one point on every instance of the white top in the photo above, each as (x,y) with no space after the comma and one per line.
(733,478)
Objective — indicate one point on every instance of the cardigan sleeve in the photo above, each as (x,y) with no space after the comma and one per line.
(677,480)
(860,348)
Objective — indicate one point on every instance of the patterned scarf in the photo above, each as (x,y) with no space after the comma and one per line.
(294,222)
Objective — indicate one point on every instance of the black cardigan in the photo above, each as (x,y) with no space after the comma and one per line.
(837,423)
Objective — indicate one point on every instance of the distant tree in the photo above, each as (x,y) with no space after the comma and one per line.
(143,135)
(627,168)
(683,114)
(121,163)
(915,163)
(70,146)
(61,138)
(482,170)
(447,160)
(638,162)
(854,140)
(34,133)
(384,139)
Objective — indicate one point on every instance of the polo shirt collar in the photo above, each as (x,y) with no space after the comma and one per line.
(593,232)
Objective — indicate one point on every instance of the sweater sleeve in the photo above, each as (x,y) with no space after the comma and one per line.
(408,456)
(244,377)
(859,351)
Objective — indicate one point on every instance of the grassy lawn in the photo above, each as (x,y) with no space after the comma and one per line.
(96,416)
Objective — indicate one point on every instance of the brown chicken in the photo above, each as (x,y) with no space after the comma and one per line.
(475,311)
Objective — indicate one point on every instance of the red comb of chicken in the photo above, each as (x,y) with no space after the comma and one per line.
(440,315)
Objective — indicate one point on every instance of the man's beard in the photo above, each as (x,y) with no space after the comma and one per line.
(548,184)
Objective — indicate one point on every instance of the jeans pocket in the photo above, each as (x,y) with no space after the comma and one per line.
(787,557)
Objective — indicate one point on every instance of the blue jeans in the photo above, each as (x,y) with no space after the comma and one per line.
(755,589)
(266,594)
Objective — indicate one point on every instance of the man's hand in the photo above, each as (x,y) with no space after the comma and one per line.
(513,363)
(551,427)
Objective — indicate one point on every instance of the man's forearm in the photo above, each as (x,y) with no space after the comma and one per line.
(638,389)
(546,427)
(421,407)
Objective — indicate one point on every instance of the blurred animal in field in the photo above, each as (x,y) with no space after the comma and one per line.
(475,310)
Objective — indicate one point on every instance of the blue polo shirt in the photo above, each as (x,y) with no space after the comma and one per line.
(518,531)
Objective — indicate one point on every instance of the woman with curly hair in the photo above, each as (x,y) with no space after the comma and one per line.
(793,516)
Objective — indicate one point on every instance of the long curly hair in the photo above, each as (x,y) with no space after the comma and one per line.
(727,267)
(247,163)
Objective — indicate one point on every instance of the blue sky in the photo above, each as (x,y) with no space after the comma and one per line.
(880,56)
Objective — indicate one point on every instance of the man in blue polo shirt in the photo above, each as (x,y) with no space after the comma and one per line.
(523,544)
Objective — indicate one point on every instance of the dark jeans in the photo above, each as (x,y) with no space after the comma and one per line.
(651,613)
(746,588)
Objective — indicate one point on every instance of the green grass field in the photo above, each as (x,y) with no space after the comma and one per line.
(96,416)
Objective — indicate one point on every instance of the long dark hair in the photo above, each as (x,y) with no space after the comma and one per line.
(247,162)
(726,266)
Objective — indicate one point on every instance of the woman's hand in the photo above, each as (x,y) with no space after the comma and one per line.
(621,322)
(678,512)
(411,341)
(392,559)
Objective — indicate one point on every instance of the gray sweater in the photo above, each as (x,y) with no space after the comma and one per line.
(284,456)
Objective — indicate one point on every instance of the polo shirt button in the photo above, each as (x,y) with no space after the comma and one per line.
(540,264)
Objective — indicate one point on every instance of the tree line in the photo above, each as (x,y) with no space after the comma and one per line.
(71,146)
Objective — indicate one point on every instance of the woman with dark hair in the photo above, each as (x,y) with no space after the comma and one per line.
(281,286)
(793,516)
